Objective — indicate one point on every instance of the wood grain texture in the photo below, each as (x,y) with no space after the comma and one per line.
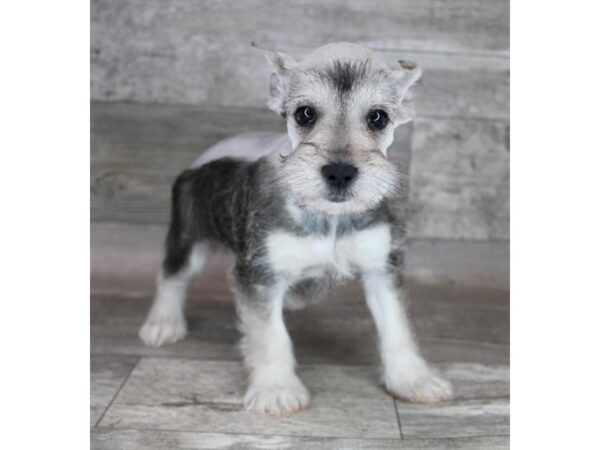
(138,150)
(199,52)
(107,374)
(480,406)
(459,262)
(110,439)
(488,417)
(207,396)
(347,402)
(460,179)
(474,381)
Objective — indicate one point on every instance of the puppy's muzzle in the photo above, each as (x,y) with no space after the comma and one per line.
(339,175)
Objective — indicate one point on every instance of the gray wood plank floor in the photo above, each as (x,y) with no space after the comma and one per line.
(188,395)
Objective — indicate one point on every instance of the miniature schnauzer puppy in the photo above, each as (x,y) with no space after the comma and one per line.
(300,212)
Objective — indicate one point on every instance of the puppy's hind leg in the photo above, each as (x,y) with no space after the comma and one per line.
(166,322)
(186,254)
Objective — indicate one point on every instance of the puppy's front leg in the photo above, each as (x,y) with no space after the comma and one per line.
(273,387)
(405,373)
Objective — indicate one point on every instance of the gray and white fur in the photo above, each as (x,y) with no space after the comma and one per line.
(302,211)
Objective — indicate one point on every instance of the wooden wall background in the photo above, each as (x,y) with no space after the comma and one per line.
(169,78)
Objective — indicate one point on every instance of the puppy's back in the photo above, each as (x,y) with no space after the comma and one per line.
(246,147)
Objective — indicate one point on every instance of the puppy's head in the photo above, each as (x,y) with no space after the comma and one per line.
(341,104)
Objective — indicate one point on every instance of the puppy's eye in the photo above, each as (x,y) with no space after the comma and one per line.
(378,119)
(305,116)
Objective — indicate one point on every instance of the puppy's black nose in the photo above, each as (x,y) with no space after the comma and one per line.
(339,175)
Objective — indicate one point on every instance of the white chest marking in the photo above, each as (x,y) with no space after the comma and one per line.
(297,257)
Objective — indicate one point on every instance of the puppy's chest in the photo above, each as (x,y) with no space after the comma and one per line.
(296,257)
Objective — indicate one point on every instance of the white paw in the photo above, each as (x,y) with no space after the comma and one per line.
(163,329)
(277,400)
(427,387)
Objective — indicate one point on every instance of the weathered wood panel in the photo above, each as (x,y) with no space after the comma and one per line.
(107,374)
(489,417)
(138,150)
(480,406)
(469,263)
(110,439)
(207,396)
(460,179)
(199,52)
(474,381)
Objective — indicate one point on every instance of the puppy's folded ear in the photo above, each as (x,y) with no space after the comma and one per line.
(405,76)
(281,63)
